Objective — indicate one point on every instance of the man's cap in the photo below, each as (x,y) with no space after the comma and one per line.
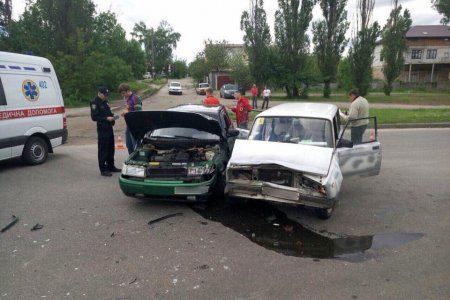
(104,90)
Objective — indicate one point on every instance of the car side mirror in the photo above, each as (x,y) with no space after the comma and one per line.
(233,132)
(343,143)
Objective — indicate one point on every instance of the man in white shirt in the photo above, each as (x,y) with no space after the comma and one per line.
(266,95)
(359,108)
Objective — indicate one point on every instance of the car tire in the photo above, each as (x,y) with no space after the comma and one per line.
(181,93)
(128,194)
(35,151)
(325,213)
(230,200)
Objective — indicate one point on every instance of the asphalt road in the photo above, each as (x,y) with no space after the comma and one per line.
(96,243)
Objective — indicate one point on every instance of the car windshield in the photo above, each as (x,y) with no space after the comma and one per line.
(309,131)
(230,87)
(175,84)
(181,132)
(203,85)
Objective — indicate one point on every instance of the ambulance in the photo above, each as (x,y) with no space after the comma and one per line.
(32,114)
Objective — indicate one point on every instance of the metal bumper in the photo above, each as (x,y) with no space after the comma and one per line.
(267,191)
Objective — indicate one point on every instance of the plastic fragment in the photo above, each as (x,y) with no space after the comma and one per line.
(14,221)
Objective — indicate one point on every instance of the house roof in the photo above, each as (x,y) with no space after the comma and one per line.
(428,31)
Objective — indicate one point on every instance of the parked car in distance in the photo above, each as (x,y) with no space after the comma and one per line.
(227,91)
(175,88)
(201,88)
(181,152)
(298,153)
(147,75)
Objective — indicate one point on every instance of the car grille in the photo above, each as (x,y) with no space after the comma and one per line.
(281,177)
(172,173)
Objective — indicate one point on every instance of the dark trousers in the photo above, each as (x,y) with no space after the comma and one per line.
(105,149)
(357,134)
(129,141)
(266,102)
(255,102)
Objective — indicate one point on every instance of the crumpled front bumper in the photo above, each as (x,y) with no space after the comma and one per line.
(166,188)
(267,191)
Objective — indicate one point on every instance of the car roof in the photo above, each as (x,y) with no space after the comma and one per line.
(174,82)
(198,108)
(308,110)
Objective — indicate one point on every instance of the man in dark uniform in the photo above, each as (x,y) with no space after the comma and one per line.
(101,113)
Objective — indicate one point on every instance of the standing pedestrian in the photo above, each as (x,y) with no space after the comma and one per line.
(266,95)
(254,91)
(359,108)
(241,110)
(133,103)
(101,113)
(210,100)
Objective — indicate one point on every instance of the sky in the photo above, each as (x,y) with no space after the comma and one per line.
(218,20)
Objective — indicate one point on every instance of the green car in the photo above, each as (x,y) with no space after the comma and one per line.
(181,154)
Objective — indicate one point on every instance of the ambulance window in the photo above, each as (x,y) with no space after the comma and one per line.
(2,94)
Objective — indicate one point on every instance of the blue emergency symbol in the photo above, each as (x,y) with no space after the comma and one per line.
(30,90)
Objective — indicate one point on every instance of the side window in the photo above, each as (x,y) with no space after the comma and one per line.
(2,94)
(361,131)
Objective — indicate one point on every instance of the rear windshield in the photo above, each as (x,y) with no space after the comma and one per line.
(175,84)
(203,85)
(231,87)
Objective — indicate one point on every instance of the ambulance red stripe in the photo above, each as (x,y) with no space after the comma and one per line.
(31,112)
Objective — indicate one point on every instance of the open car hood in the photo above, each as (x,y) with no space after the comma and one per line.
(141,122)
(303,158)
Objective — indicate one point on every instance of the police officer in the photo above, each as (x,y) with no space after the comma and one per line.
(101,113)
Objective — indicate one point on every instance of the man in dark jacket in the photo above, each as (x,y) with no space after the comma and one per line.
(101,113)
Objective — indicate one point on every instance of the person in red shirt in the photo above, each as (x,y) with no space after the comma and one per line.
(241,110)
(210,100)
(254,91)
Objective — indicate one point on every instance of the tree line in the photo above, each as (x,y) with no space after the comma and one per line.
(88,49)
(286,60)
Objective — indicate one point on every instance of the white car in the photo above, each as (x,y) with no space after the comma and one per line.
(175,88)
(147,75)
(298,153)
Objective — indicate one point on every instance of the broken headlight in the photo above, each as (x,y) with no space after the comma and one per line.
(135,171)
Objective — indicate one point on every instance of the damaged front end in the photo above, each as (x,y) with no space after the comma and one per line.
(280,184)
(187,171)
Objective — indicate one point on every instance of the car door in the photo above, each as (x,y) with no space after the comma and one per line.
(362,159)
(5,133)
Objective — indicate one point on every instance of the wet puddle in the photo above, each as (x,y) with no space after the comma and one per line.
(270,228)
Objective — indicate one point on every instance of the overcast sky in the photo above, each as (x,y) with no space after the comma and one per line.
(199,20)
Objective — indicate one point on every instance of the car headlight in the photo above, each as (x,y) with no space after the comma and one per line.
(200,170)
(135,171)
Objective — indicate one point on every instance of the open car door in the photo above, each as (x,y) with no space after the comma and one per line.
(364,158)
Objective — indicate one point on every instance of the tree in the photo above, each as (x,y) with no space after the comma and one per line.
(363,44)
(329,39)
(291,23)
(198,68)
(158,44)
(443,7)
(240,71)
(394,45)
(179,69)
(216,55)
(257,40)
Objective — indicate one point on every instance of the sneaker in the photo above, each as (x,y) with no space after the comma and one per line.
(106,173)
(114,169)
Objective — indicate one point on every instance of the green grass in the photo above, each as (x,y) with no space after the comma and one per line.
(393,116)
(395,98)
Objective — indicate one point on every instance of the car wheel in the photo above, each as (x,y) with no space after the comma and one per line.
(181,93)
(325,213)
(35,151)
(219,187)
